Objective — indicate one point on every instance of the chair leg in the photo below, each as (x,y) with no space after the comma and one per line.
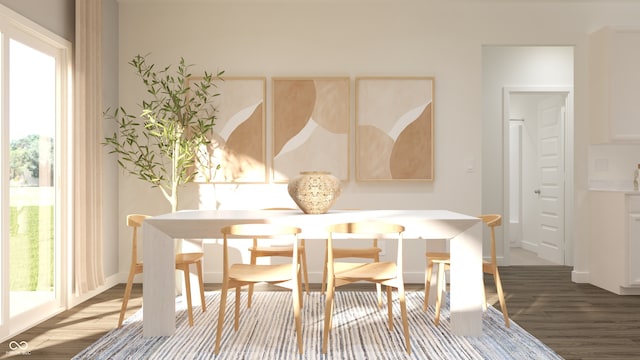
(484,295)
(503,303)
(324,272)
(389,308)
(250,292)
(376,258)
(427,285)
(303,263)
(187,286)
(223,305)
(236,321)
(328,313)
(127,294)
(299,287)
(405,320)
(441,280)
(297,305)
(201,281)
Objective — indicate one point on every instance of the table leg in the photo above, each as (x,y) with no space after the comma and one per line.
(466,283)
(158,291)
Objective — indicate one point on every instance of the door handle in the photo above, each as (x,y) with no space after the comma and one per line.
(537,192)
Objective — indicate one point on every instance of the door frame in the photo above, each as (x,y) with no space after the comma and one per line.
(568,166)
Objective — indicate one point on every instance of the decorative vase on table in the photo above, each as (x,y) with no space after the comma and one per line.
(314,191)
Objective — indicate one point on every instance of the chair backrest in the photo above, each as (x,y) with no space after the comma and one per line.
(258,231)
(135,221)
(366,227)
(492,220)
(375,229)
(374,241)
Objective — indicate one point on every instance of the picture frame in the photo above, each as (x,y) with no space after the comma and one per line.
(238,143)
(394,128)
(311,126)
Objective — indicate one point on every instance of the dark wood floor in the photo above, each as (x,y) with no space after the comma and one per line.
(578,321)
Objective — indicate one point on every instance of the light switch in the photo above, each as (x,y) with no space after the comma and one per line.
(470,165)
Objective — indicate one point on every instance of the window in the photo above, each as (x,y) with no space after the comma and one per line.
(34,70)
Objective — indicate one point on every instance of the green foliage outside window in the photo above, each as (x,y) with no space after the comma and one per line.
(31,237)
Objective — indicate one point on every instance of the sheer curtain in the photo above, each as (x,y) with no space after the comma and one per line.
(87,148)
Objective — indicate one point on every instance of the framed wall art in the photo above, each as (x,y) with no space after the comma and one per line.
(239,139)
(394,128)
(310,126)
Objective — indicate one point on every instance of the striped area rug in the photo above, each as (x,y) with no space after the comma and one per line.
(359,332)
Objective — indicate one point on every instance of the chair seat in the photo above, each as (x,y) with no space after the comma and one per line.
(365,271)
(260,273)
(188,258)
(438,256)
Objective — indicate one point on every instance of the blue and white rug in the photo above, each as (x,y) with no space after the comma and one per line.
(359,332)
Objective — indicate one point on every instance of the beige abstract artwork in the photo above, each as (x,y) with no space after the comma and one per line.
(238,139)
(394,128)
(310,126)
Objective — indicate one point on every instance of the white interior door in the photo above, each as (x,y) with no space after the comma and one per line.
(551,120)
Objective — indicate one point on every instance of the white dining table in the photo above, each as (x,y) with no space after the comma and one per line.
(160,232)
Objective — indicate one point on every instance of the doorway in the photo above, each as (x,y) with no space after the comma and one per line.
(528,71)
(534,136)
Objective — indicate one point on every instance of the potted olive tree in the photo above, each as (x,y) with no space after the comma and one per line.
(167,142)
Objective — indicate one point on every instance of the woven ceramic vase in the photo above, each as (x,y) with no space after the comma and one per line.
(314,191)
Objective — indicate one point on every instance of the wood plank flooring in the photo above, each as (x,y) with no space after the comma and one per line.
(578,321)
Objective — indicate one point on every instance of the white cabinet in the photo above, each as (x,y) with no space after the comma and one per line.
(614,241)
(615,85)
(633,240)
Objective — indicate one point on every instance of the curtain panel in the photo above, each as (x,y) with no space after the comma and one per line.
(88,266)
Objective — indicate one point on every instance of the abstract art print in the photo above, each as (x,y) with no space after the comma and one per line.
(239,141)
(394,128)
(310,126)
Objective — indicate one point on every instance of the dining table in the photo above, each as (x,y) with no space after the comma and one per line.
(160,233)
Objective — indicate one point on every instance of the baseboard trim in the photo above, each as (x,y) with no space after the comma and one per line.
(580,277)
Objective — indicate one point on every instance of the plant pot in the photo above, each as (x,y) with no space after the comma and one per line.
(314,191)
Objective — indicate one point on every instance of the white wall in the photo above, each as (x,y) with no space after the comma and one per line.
(353,38)
(55,15)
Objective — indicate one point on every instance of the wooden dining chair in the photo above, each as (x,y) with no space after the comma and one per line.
(183,261)
(258,251)
(234,276)
(384,273)
(372,253)
(443,260)
(362,252)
